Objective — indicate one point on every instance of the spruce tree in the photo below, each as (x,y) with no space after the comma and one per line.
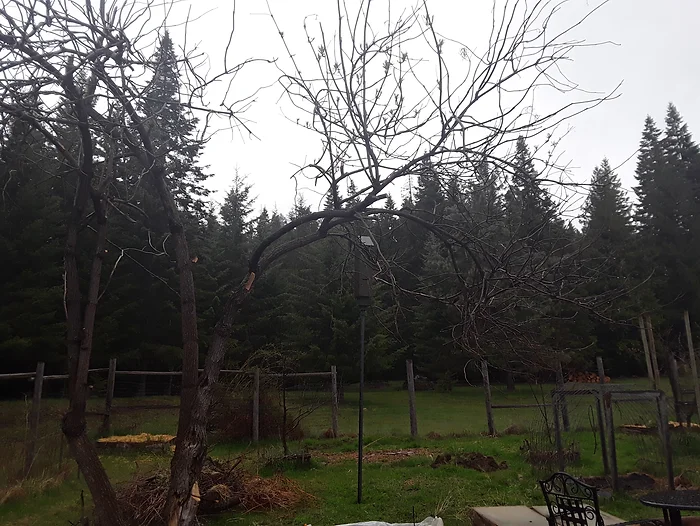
(531,212)
(32,324)
(606,213)
(173,131)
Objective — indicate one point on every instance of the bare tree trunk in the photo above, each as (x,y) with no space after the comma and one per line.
(190,452)
(188,306)
(71,296)
(74,426)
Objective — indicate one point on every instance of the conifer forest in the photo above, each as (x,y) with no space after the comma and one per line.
(113,243)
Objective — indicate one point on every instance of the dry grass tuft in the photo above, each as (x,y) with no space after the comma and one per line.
(34,485)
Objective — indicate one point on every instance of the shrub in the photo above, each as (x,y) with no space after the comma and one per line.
(231,416)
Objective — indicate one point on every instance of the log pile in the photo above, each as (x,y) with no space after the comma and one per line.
(586,378)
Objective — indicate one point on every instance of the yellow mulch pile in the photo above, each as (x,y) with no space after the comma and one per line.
(141,438)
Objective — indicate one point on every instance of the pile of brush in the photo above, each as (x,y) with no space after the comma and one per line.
(223,485)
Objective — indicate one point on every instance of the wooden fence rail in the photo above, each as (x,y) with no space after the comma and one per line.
(38,377)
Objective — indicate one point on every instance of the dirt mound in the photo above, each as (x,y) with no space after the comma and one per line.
(374,456)
(547,458)
(473,460)
(629,482)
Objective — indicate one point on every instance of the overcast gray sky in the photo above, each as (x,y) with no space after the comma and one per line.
(655,55)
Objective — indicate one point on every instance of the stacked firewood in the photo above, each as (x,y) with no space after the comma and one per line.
(586,378)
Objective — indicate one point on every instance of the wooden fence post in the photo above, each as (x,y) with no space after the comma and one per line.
(675,386)
(563,406)
(610,425)
(487,396)
(556,406)
(665,436)
(693,363)
(652,351)
(334,401)
(142,386)
(411,398)
(33,436)
(111,378)
(647,354)
(256,405)
(601,419)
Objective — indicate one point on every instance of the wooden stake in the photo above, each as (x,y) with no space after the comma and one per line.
(647,354)
(556,408)
(675,386)
(665,433)
(256,405)
(412,398)
(610,426)
(693,363)
(487,396)
(33,436)
(111,377)
(334,401)
(562,406)
(652,351)
(601,419)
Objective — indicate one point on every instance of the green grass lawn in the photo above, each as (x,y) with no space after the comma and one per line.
(391,491)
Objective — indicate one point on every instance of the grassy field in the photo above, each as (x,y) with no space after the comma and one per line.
(391,490)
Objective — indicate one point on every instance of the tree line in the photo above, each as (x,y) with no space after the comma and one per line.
(617,259)
(112,246)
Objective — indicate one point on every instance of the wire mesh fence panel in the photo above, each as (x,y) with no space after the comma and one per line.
(574,440)
(307,402)
(15,410)
(687,404)
(32,442)
(145,403)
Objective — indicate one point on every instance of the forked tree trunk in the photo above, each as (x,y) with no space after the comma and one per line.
(79,331)
(190,451)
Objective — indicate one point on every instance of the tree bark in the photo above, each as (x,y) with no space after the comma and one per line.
(188,306)
(190,451)
(107,508)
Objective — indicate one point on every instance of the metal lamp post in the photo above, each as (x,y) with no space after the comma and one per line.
(362,295)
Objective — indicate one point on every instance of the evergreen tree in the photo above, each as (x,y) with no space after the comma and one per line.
(173,129)
(606,213)
(649,164)
(531,212)
(32,324)
(607,240)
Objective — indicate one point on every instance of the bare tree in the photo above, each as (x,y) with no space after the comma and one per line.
(387,100)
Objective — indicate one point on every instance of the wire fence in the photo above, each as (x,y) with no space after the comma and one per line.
(131,402)
(277,404)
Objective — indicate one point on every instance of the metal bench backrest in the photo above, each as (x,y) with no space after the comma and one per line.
(571,502)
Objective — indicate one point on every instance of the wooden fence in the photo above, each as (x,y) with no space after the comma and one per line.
(39,378)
